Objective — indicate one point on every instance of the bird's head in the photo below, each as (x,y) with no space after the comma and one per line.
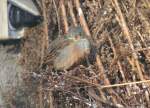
(75,34)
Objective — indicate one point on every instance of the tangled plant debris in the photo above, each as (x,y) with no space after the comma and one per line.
(115,74)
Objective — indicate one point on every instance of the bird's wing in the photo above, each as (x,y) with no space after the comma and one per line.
(54,48)
(58,44)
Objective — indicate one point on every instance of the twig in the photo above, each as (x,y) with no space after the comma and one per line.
(45,25)
(127,35)
(64,16)
(115,54)
(102,72)
(147,3)
(58,18)
(119,63)
(125,84)
(107,86)
(82,18)
(91,93)
(72,13)
(45,42)
(51,99)
(40,96)
(142,39)
(102,95)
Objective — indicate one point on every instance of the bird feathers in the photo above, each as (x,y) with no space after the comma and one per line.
(66,51)
(72,54)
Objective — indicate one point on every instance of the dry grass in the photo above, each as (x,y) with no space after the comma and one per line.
(118,73)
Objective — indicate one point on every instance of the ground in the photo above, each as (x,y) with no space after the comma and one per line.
(10,70)
(120,59)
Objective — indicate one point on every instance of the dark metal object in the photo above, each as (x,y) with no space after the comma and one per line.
(19,18)
(26,5)
(22,14)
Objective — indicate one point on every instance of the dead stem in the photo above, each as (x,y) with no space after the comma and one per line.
(125,84)
(127,35)
(92,94)
(81,18)
(147,3)
(106,86)
(45,26)
(102,73)
(51,99)
(40,97)
(58,18)
(115,56)
(72,13)
(64,16)
(109,35)
(119,64)
(45,41)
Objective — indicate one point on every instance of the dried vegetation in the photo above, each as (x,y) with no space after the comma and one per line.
(117,71)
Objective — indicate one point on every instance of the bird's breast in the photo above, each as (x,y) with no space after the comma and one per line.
(71,54)
(65,58)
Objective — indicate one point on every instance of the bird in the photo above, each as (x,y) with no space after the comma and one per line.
(65,51)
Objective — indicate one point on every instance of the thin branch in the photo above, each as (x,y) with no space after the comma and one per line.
(72,13)
(102,73)
(127,35)
(45,40)
(125,84)
(119,63)
(107,86)
(115,56)
(58,18)
(40,96)
(82,18)
(51,99)
(64,16)
(45,24)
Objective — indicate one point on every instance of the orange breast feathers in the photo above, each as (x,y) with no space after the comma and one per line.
(72,54)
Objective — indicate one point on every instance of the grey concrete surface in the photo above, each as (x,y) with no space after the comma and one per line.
(9,71)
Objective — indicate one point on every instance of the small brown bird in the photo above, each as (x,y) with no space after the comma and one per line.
(66,51)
